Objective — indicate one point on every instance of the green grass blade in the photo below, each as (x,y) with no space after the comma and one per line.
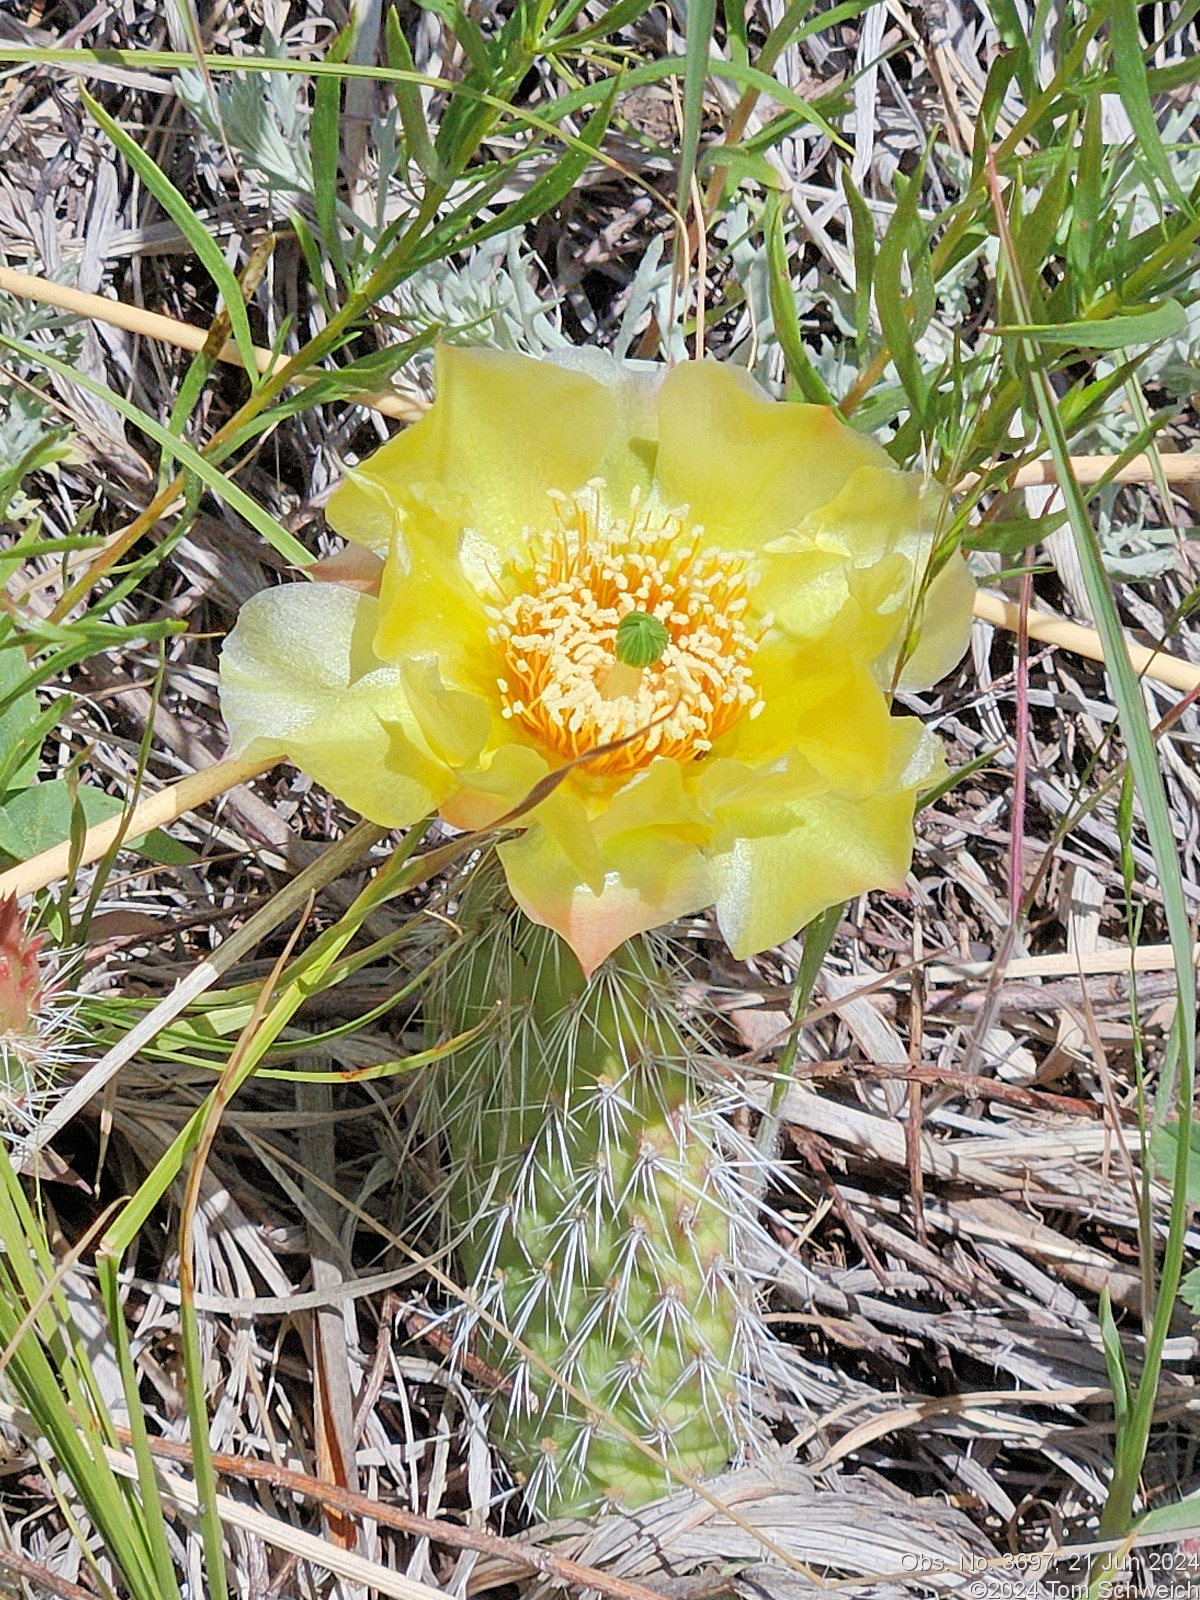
(1135,727)
(189,224)
(1129,65)
(276,536)
(48,1370)
(701,16)
(155,1522)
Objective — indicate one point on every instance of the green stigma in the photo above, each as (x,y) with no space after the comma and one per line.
(641,639)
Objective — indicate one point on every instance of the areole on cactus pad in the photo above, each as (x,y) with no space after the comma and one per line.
(691,603)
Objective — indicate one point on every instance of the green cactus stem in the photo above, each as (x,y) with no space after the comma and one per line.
(597,1220)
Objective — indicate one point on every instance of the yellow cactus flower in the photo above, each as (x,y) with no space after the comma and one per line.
(691,597)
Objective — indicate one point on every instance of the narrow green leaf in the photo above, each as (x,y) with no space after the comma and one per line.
(793,27)
(863,228)
(554,186)
(1165,321)
(1010,535)
(189,224)
(700,17)
(311,251)
(740,164)
(752,78)
(1114,1361)
(734,12)
(1129,65)
(408,100)
(1083,243)
(326,146)
(783,309)
(611,22)
(464,30)
(905,239)
(1182,1517)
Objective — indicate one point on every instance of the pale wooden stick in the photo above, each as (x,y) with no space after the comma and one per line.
(1081,641)
(152,325)
(1178,467)
(167,805)
(1066,964)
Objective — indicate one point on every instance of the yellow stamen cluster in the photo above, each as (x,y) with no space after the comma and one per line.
(558,637)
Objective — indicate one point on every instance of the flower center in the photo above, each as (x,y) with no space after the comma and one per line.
(626,626)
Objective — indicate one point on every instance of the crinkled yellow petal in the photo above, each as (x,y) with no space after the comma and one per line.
(749,468)
(782,865)
(876,511)
(491,791)
(453,724)
(802,589)
(770,885)
(629,461)
(427,607)
(656,798)
(504,430)
(563,817)
(299,677)
(650,877)
(727,788)
(945,626)
(821,701)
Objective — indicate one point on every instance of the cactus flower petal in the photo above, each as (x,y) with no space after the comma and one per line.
(299,676)
(652,868)
(784,865)
(505,430)
(688,600)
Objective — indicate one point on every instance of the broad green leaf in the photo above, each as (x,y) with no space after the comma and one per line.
(18,751)
(40,817)
(1164,1154)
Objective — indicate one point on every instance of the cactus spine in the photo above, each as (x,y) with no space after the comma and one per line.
(594,1214)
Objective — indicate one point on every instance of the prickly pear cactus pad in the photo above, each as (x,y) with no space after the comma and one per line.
(652,620)
(601,1219)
